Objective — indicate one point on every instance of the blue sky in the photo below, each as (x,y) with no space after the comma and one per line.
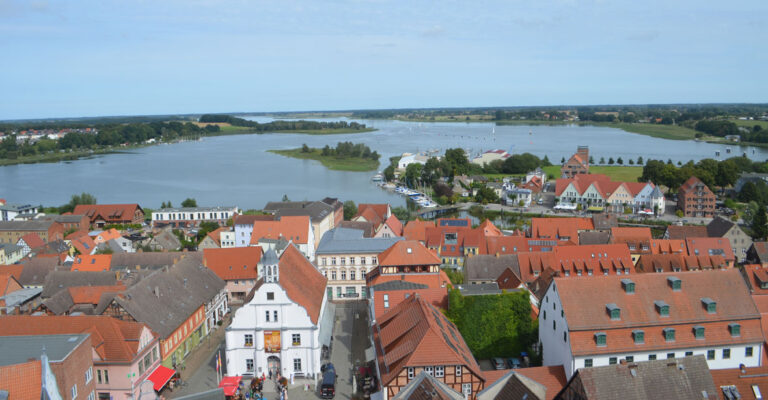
(91,58)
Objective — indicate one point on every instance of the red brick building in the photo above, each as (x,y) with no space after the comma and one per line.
(577,164)
(695,199)
(103,214)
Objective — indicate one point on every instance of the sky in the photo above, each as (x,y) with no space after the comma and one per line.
(133,57)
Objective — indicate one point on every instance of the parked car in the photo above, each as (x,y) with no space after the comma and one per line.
(328,385)
(514,362)
(498,363)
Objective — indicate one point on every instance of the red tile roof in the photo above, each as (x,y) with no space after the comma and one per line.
(638,310)
(33,241)
(92,294)
(438,297)
(517,244)
(489,229)
(668,246)
(576,260)
(293,228)
(377,214)
(417,230)
(23,381)
(565,230)
(97,262)
(111,338)
(710,246)
(395,225)
(602,183)
(407,252)
(105,236)
(552,378)
(116,213)
(8,283)
(235,263)
(14,270)
(434,280)
(678,262)
(303,283)
(756,276)
(417,334)
(216,235)
(686,231)
(84,244)
(744,381)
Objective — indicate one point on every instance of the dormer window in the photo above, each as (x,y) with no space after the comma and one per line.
(662,307)
(735,329)
(675,283)
(628,285)
(639,336)
(669,334)
(614,311)
(710,305)
(698,332)
(600,339)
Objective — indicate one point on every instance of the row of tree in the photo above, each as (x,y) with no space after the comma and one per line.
(346,150)
(280,125)
(712,172)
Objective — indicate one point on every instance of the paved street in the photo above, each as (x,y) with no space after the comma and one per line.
(350,339)
(199,373)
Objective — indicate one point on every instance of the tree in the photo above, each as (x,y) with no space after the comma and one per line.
(545,161)
(76,200)
(389,173)
(610,160)
(402,213)
(305,148)
(486,195)
(562,160)
(285,198)
(413,174)
(189,202)
(205,228)
(350,209)
(760,223)
(640,160)
(591,160)
(441,189)
(631,162)
(620,161)
(458,161)
(602,160)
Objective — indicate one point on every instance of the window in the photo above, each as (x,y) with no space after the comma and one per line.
(544,314)
(270,295)
(688,353)
(343,260)
(651,357)
(726,354)
(639,336)
(698,332)
(249,364)
(588,362)
(748,351)
(297,365)
(386,301)
(630,358)
(669,334)
(662,307)
(612,361)
(735,329)
(333,275)
(710,304)
(670,355)
(600,338)
(98,376)
(343,274)
(333,260)
(296,339)
(458,370)
(73,391)
(554,324)
(439,371)
(248,340)
(88,374)
(466,389)
(428,370)
(410,372)
(710,354)
(106,377)
(267,313)
(275,315)
(352,275)
(91,396)
(565,337)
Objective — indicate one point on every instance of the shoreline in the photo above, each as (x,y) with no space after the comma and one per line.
(355,164)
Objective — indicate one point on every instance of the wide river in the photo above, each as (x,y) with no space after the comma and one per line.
(238,170)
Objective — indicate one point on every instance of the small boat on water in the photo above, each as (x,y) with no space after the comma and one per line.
(378,177)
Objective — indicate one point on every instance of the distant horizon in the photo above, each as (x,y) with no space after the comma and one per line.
(350,110)
(113,57)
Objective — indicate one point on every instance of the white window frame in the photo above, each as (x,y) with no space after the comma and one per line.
(458,370)
(410,373)
(429,371)
(466,389)
(73,391)
(88,375)
(439,371)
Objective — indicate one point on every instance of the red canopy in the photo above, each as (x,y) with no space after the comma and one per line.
(160,376)
(230,384)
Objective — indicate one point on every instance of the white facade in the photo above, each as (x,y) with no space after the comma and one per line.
(243,234)
(409,158)
(192,215)
(227,239)
(515,195)
(643,198)
(216,309)
(556,345)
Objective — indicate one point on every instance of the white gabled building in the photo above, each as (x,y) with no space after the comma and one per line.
(601,320)
(285,321)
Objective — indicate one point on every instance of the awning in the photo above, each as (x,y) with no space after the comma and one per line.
(326,324)
(370,354)
(230,384)
(160,376)
(595,208)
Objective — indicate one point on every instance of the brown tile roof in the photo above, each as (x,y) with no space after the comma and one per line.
(109,212)
(490,267)
(639,310)
(14,270)
(678,262)
(395,225)
(761,251)
(427,387)
(111,338)
(562,229)
(23,381)
(417,334)
(668,246)
(98,262)
(710,246)
(33,240)
(92,294)
(37,269)
(576,260)
(551,378)
(216,235)
(686,231)
(303,283)
(417,230)
(233,263)
(58,280)
(743,380)
(295,228)
(365,226)
(377,215)
(408,252)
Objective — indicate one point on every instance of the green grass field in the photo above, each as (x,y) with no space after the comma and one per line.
(332,162)
(750,124)
(615,172)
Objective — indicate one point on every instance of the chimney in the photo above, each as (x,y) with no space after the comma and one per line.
(157,292)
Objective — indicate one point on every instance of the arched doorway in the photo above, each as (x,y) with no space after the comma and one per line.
(273,365)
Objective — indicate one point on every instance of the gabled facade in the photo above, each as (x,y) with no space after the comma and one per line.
(104,214)
(577,164)
(238,267)
(296,229)
(648,317)
(695,199)
(285,322)
(723,228)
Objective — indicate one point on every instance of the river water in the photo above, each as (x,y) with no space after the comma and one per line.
(238,170)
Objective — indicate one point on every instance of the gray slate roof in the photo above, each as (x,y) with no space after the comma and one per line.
(593,237)
(604,221)
(427,387)
(488,267)
(57,280)
(351,241)
(479,289)
(31,225)
(37,269)
(719,226)
(166,298)
(680,378)
(511,386)
(316,210)
(20,349)
(399,285)
(270,258)
(64,219)
(60,302)
(19,297)
(145,260)
(166,240)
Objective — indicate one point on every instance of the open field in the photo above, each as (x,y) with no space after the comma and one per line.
(750,124)
(615,172)
(331,162)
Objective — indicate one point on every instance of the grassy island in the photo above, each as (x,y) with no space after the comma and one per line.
(347,156)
